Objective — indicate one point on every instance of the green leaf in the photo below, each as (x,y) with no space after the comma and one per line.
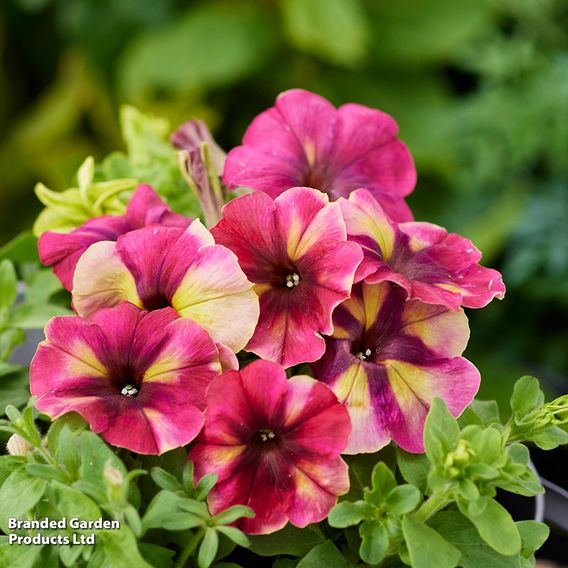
(73,503)
(22,556)
(441,431)
(361,470)
(156,555)
(414,468)
(8,284)
(36,315)
(496,527)
(335,30)
(204,485)
(237,536)
(118,548)
(231,514)
(526,396)
(533,536)
(14,387)
(374,542)
(402,499)
(475,552)
(165,480)
(208,548)
(18,495)
(383,483)
(164,512)
(289,540)
(227,44)
(346,514)
(550,438)
(22,248)
(324,554)
(41,286)
(426,547)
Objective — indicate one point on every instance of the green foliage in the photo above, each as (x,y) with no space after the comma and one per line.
(446,514)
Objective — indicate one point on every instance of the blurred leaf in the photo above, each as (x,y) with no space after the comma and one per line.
(8,284)
(418,32)
(22,248)
(289,540)
(209,46)
(325,554)
(36,315)
(335,30)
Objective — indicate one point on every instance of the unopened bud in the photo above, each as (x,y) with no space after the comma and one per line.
(18,446)
(113,477)
(457,459)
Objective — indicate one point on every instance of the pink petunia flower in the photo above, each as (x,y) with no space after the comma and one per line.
(294,249)
(138,378)
(304,141)
(386,361)
(157,267)
(427,262)
(63,250)
(275,444)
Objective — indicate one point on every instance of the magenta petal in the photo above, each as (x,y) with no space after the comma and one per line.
(304,141)
(275,445)
(139,378)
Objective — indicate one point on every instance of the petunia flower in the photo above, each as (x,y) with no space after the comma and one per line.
(294,249)
(304,141)
(427,262)
(63,250)
(388,358)
(138,378)
(275,445)
(157,267)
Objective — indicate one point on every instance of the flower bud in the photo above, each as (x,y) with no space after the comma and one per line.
(18,446)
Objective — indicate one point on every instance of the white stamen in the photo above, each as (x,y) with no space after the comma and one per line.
(292,280)
(129,390)
(365,355)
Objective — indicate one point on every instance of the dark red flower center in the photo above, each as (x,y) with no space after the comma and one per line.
(265,439)
(156,301)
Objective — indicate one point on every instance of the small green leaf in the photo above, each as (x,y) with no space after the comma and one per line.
(346,514)
(165,480)
(383,483)
(117,548)
(18,495)
(374,542)
(550,438)
(475,552)
(402,499)
(533,536)
(414,468)
(208,548)
(204,485)
(324,554)
(441,431)
(526,396)
(426,547)
(35,316)
(8,284)
(164,511)
(290,540)
(231,514)
(496,527)
(237,536)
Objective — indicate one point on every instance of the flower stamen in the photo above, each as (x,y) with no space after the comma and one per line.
(266,434)
(129,390)
(364,355)
(292,280)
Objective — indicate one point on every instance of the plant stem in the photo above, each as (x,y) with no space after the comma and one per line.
(189,548)
(438,500)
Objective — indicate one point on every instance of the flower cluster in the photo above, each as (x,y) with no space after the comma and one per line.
(319,263)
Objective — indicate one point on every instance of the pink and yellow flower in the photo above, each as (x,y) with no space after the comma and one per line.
(304,141)
(157,267)
(427,262)
(295,250)
(63,250)
(275,444)
(138,378)
(388,358)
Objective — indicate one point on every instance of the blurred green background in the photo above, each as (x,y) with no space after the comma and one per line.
(478,87)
